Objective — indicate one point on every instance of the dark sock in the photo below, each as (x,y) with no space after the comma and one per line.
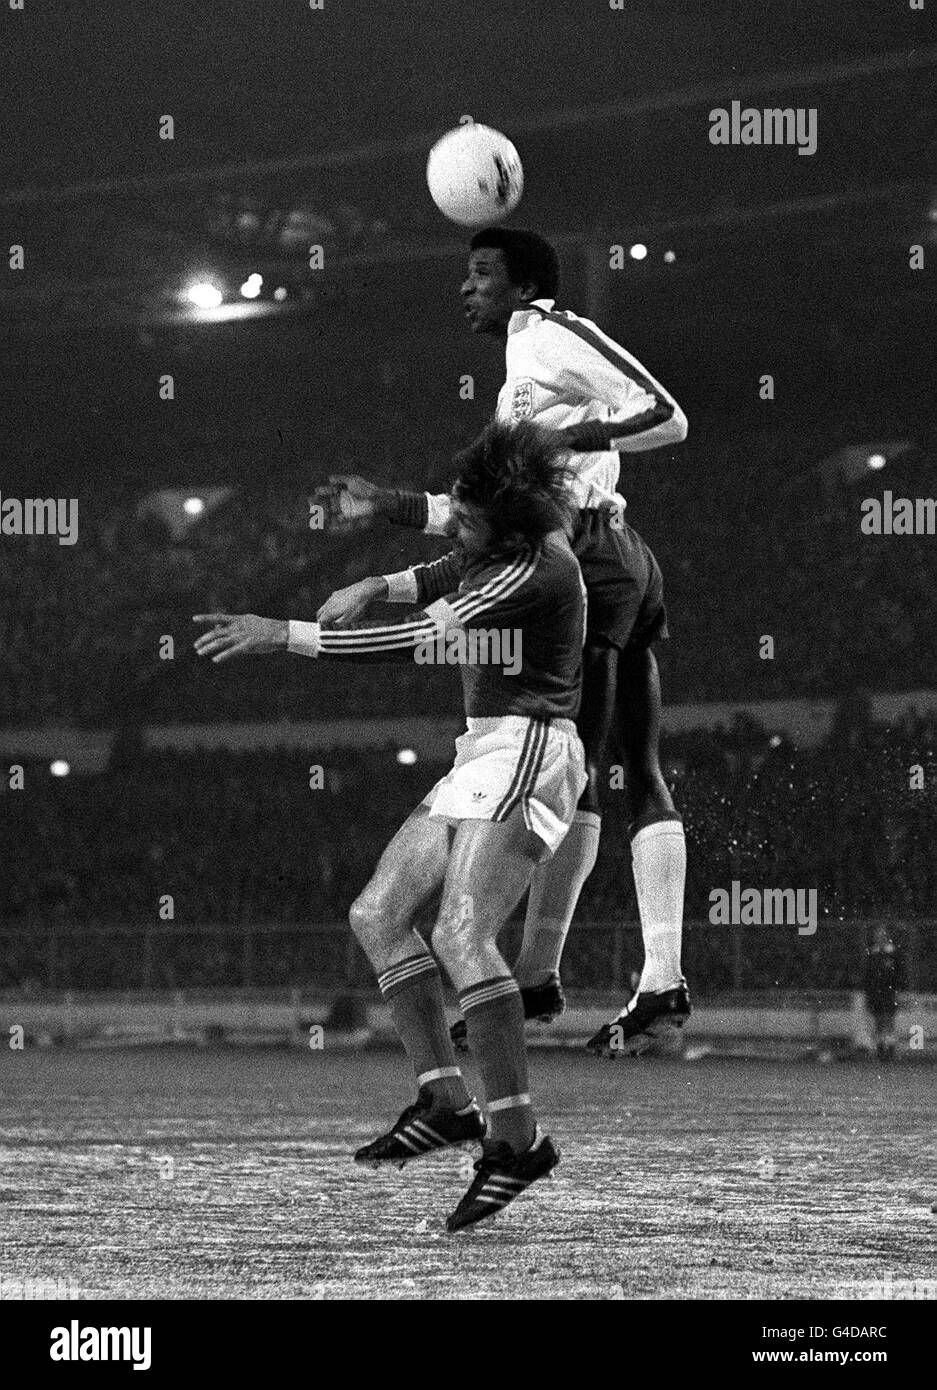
(494,1021)
(413,991)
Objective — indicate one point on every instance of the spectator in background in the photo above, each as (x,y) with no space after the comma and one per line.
(884,977)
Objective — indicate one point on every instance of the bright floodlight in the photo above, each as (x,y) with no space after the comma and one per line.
(638,251)
(59,768)
(280,293)
(670,257)
(251,286)
(406,756)
(774,741)
(193,506)
(205,295)
(876,460)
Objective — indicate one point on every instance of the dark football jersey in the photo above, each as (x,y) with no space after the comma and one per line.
(515,626)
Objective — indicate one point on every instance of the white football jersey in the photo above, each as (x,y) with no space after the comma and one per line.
(562,370)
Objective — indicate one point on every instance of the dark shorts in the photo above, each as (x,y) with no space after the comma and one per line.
(625,586)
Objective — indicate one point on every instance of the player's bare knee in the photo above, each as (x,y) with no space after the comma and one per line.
(368,922)
(455,939)
(445,950)
(647,791)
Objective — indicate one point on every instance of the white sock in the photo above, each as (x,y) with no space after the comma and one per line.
(658,854)
(554,893)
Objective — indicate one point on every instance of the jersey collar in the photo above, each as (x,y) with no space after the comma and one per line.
(521,317)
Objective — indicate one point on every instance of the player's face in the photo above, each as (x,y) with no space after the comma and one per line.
(468,530)
(488,296)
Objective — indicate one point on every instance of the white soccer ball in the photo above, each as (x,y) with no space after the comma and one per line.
(474,175)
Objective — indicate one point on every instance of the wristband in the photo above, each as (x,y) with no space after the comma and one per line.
(401,587)
(303,638)
(405,508)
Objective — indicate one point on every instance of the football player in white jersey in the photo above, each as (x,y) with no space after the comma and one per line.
(564,373)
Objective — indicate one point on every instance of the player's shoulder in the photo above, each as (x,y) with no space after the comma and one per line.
(533,574)
(558,552)
(502,571)
(558,570)
(538,584)
(561,329)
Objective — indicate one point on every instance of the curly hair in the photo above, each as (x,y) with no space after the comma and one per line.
(515,475)
(529,257)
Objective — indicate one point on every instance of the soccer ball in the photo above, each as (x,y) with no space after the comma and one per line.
(474,175)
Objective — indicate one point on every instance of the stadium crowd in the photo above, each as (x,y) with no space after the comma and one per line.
(743,553)
(752,541)
(241,839)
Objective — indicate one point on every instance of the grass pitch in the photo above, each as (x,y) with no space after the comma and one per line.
(179,1173)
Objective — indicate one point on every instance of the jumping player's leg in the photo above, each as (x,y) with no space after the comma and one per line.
(489,869)
(411,869)
(558,883)
(658,846)
(658,856)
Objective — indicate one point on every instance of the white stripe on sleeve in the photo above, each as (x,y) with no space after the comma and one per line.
(496,589)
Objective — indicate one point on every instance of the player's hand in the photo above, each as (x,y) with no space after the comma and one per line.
(240,634)
(346,606)
(349,502)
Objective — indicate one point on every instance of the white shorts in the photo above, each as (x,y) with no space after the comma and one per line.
(511,761)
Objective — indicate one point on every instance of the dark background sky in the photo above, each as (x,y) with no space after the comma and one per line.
(785,264)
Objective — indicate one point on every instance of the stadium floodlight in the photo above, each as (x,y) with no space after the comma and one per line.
(406,756)
(204,295)
(252,286)
(876,461)
(193,506)
(59,767)
(280,293)
(670,257)
(638,251)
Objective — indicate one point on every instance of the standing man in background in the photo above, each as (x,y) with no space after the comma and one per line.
(884,977)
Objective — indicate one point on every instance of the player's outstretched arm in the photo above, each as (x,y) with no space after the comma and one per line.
(246,634)
(352,503)
(346,606)
(421,584)
(403,641)
(240,634)
(424,584)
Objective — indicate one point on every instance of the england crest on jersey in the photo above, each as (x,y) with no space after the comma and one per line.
(522,401)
